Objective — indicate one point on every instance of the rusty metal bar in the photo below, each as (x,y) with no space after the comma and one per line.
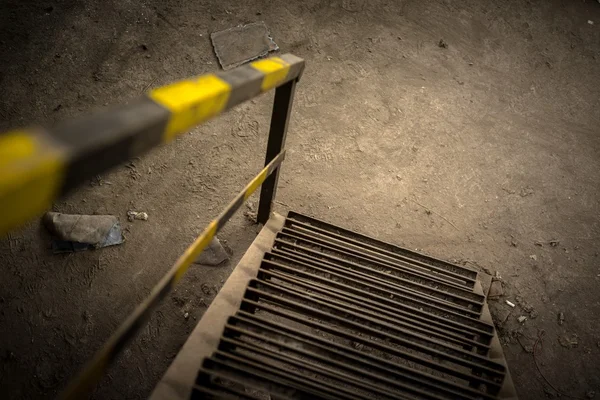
(434,297)
(404,378)
(387,270)
(271,270)
(349,318)
(465,326)
(394,252)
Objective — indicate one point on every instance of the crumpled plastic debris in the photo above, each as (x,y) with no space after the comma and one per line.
(76,232)
(214,254)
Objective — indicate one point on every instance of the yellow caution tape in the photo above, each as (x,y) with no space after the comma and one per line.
(191,102)
(275,70)
(31,175)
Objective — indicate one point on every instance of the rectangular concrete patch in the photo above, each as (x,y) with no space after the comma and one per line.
(241,44)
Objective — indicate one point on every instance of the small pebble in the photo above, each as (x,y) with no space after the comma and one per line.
(590,394)
(133,215)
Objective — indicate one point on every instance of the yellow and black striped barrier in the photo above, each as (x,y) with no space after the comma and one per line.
(39,165)
(98,365)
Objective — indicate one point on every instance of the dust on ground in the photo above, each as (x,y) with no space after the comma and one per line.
(468,130)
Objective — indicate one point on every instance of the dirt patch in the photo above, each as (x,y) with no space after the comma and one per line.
(473,151)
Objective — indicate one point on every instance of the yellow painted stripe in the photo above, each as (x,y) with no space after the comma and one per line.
(194,251)
(31,174)
(79,388)
(256,182)
(191,102)
(275,70)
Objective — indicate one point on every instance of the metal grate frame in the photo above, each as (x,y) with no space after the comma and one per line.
(333,314)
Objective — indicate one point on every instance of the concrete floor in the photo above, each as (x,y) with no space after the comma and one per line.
(482,152)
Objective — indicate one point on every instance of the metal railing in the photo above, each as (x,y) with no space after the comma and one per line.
(38,165)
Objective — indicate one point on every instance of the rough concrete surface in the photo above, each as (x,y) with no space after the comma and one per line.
(466,129)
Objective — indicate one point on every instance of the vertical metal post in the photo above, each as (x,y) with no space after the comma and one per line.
(282,107)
